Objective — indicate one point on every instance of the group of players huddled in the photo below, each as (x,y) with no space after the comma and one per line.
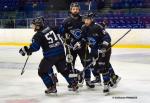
(62,44)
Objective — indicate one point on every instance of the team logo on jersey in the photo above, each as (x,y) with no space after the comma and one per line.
(91,41)
(76,33)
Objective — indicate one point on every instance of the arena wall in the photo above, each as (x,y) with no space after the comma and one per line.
(137,38)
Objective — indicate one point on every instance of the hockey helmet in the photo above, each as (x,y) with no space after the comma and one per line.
(75,4)
(39,21)
(89,15)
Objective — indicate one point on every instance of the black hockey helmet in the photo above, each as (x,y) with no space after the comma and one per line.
(74,4)
(39,21)
(88,15)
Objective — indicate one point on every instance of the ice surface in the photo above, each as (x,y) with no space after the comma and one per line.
(133,65)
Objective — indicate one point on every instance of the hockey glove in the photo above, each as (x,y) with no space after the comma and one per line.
(25,50)
(103,49)
(77,46)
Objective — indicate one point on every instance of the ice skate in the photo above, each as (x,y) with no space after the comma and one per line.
(106,90)
(114,81)
(97,80)
(73,87)
(90,84)
(51,90)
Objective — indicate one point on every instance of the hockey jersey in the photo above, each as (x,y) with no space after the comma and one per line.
(72,27)
(95,35)
(49,41)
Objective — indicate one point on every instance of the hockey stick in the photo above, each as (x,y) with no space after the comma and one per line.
(23,69)
(119,40)
(70,46)
(94,60)
(89,5)
(69,57)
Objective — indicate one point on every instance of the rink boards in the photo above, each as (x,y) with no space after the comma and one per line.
(137,38)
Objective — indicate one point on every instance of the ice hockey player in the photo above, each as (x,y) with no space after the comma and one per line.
(72,35)
(53,52)
(114,78)
(99,41)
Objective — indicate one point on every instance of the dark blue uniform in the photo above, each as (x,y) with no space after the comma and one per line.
(96,37)
(54,55)
(49,41)
(72,27)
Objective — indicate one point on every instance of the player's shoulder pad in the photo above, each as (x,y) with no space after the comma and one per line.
(66,20)
(98,26)
(83,26)
(36,35)
(80,16)
(46,30)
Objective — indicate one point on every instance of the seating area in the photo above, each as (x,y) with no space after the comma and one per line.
(121,14)
(37,5)
(9,5)
(126,21)
(119,4)
(113,20)
(22,5)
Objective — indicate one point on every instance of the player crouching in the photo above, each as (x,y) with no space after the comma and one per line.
(53,52)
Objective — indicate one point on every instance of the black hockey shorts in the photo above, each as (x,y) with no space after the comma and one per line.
(59,62)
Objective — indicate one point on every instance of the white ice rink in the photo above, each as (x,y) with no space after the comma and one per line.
(133,65)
